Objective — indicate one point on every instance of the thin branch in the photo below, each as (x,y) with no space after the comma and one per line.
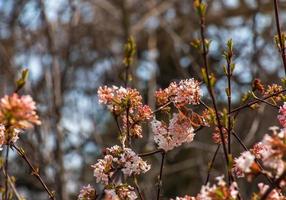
(211,164)
(266,102)
(138,188)
(150,153)
(255,101)
(160,183)
(277,182)
(282,45)
(13,186)
(35,172)
(161,107)
(256,160)
(6,174)
(210,89)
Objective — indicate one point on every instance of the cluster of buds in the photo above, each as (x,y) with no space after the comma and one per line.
(217,137)
(273,89)
(219,191)
(282,116)
(16,113)
(118,159)
(273,92)
(275,194)
(120,192)
(178,131)
(183,93)
(270,151)
(87,193)
(121,101)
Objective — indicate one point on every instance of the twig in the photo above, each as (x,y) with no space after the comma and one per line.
(150,153)
(161,107)
(160,175)
(210,89)
(211,164)
(255,101)
(256,160)
(266,102)
(138,188)
(282,45)
(6,174)
(277,182)
(13,186)
(35,172)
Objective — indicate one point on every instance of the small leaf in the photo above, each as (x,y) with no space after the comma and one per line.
(22,80)
(204,75)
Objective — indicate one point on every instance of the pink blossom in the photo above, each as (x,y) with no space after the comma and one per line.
(87,193)
(244,162)
(120,192)
(102,169)
(259,149)
(183,93)
(282,116)
(220,190)
(178,131)
(2,135)
(118,158)
(274,194)
(18,111)
(272,157)
(120,100)
(186,197)
(132,163)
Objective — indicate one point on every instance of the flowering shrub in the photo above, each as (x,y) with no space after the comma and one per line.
(174,123)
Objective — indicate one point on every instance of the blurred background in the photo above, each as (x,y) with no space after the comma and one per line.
(72,47)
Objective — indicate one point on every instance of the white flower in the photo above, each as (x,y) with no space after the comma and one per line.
(244,161)
(178,131)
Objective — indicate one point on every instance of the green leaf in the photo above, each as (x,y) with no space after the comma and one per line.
(22,80)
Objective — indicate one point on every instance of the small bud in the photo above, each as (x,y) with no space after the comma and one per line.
(246,96)
(129,51)
(200,8)
(212,80)
(22,80)
(257,85)
(204,75)
(283,41)
(232,67)
(227,91)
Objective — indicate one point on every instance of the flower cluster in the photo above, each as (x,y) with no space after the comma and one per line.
(120,101)
(2,136)
(183,93)
(275,194)
(274,88)
(87,193)
(217,137)
(282,116)
(219,191)
(16,113)
(120,192)
(270,151)
(118,158)
(244,164)
(178,131)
